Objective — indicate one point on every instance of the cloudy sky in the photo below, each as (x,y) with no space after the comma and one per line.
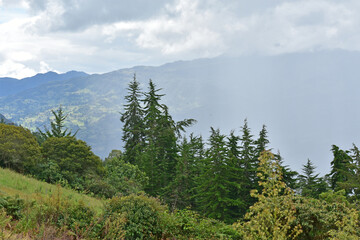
(100,36)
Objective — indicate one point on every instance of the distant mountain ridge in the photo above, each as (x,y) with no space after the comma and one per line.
(9,86)
(4,120)
(306,100)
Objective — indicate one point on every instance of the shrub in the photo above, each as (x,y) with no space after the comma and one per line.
(12,206)
(190,225)
(19,149)
(135,217)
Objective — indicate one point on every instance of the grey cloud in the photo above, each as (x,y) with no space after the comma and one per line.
(10,3)
(80,14)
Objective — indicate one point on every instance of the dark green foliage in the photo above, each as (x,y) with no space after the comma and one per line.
(249,163)
(180,191)
(74,158)
(124,177)
(340,167)
(158,156)
(57,127)
(236,178)
(133,119)
(290,176)
(214,195)
(262,142)
(100,187)
(349,173)
(310,184)
(139,217)
(13,206)
(190,225)
(49,171)
(18,149)
(39,137)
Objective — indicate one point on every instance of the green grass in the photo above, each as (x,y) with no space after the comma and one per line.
(27,188)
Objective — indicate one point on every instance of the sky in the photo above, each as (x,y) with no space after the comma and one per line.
(101,36)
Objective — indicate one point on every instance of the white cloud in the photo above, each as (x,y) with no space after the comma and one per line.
(15,70)
(20,56)
(182,29)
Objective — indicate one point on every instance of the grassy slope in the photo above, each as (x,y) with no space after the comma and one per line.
(12,184)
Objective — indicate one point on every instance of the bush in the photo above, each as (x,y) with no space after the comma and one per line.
(190,225)
(135,217)
(19,149)
(74,160)
(12,206)
(124,178)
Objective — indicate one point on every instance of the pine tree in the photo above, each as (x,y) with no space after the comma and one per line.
(352,182)
(160,141)
(310,184)
(57,126)
(262,142)
(290,176)
(213,189)
(180,191)
(133,119)
(249,162)
(340,167)
(158,158)
(235,178)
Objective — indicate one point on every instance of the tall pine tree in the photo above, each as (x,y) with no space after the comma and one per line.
(133,120)
(213,189)
(180,191)
(159,156)
(249,162)
(235,178)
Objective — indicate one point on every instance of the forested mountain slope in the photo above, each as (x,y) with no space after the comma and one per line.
(304,99)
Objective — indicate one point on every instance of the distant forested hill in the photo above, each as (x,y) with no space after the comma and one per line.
(306,100)
(9,86)
(3,119)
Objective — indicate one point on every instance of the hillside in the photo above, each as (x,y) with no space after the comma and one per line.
(15,184)
(3,119)
(9,86)
(302,98)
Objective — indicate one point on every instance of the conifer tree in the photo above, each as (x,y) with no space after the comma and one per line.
(159,156)
(159,139)
(235,178)
(352,182)
(58,129)
(133,119)
(290,176)
(262,142)
(180,191)
(340,167)
(311,185)
(249,163)
(213,190)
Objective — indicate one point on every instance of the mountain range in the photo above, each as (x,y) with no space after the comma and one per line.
(307,100)
(4,120)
